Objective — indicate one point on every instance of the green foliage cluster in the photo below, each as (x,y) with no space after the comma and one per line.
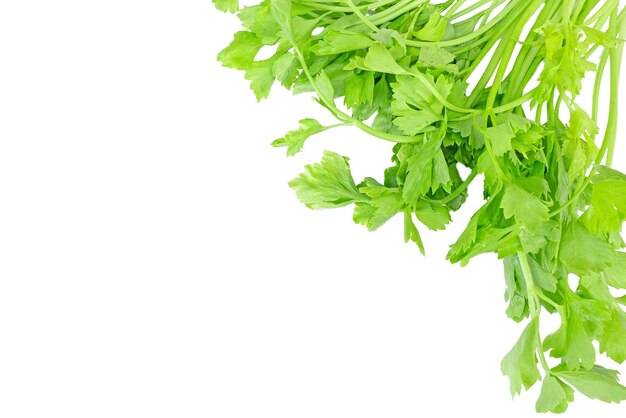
(553,208)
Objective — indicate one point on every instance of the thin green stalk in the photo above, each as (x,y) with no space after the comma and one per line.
(488,13)
(598,85)
(455,7)
(343,117)
(361,16)
(396,10)
(471,8)
(502,18)
(498,56)
(433,90)
(507,54)
(528,52)
(615,59)
(604,11)
(493,65)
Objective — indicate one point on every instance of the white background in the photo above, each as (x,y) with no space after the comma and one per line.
(154,263)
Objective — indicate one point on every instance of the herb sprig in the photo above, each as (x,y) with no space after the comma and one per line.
(399,70)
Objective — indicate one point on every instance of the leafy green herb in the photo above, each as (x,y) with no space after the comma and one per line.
(294,140)
(328,184)
(400,71)
(555,396)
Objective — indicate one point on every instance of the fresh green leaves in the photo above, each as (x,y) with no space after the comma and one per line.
(555,396)
(613,341)
(281,10)
(451,93)
(294,140)
(607,208)
(434,29)
(226,5)
(383,204)
(415,103)
(327,184)
(565,58)
(434,56)
(434,216)
(583,253)
(527,209)
(573,341)
(597,383)
(426,170)
(500,137)
(360,89)
(616,274)
(339,42)
(411,233)
(241,51)
(520,365)
(379,59)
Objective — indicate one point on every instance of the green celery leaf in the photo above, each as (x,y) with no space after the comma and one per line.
(411,233)
(327,184)
(435,56)
(582,253)
(226,5)
(500,137)
(359,89)
(294,140)
(466,240)
(613,340)
(616,274)
(441,173)
(515,293)
(281,10)
(542,278)
(383,204)
(573,341)
(338,42)
(608,200)
(259,20)
(325,87)
(285,69)
(410,121)
(597,383)
(379,59)
(527,209)
(555,396)
(261,76)
(240,53)
(435,217)
(417,91)
(520,364)
(434,30)
(425,171)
